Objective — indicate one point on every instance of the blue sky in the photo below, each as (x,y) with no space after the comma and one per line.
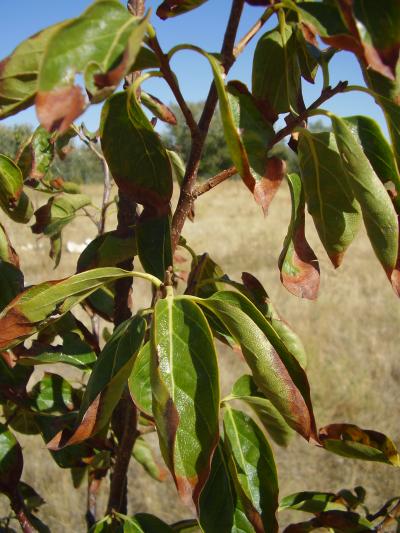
(203,27)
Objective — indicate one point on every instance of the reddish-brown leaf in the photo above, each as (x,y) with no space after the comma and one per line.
(266,188)
(57,109)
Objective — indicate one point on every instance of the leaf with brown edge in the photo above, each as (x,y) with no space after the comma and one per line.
(11,462)
(7,252)
(38,306)
(19,73)
(72,50)
(14,202)
(275,370)
(106,383)
(335,520)
(330,198)
(158,108)
(172,8)
(183,363)
(351,441)
(266,188)
(298,264)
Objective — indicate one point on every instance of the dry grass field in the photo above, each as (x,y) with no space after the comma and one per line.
(351,334)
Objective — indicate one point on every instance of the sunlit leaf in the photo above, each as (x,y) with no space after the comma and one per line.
(11,462)
(311,502)
(329,195)
(184,363)
(143,454)
(172,8)
(7,252)
(335,520)
(13,200)
(298,263)
(253,468)
(139,381)
(106,383)
(159,110)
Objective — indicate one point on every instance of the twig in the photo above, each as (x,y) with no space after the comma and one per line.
(170,78)
(214,181)
(105,204)
(391,518)
(88,143)
(244,41)
(185,201)
(17,505)
(293,122)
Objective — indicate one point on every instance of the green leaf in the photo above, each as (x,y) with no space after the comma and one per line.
(31,498)
(36,155)
(376,148)
(145,59)
(246,390)
(277,374)
(39,305)
(185,387)
(106,383)
(159,110)
(172,8)
(203,277)
(11,462)
(253,468)
(276,72)
(151,524)
(335,520)
(103,41)
(311,502)
(308,56)
(137,159)
(53,394)
(377,209)
(351,441)
(220,510)
(13,381)
(143,454)
(298,263)
(21,418)
(14,202)
(329,195)
(153,241)
(19,73)
(139,381)
(11,283)
(7,252)
(178,166)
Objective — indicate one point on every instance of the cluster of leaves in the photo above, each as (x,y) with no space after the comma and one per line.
(166,354)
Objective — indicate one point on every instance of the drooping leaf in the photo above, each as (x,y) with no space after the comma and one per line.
(276,371)
(7,252)
(345,521)
(145,59)
(253,468)
(311,502)
(103,41)
(139,381)
(14,202)
(19,73)
(153,242)
(152,524)
(308,56)
(178,166)
(137,159)
(37,306)
(172,8)
(36,155)
(158,108)
(298,263)
(11,462)
(13,381)
(11,283)
(379,215)
(203,277)
(144,456)
(31,498)
(106,383)
(351,441)
(276,73)
(220,510)
(329,195)
(246,390)
(184,363)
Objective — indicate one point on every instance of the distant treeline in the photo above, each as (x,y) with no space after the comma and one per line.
(82,166)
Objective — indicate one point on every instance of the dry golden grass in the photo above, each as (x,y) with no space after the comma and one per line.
(351,334)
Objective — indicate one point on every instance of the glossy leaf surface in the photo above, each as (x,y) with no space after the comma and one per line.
(172,8)
(254,469)
(298,263)
(185,387)
(139,381)
(311,502)
(330,198)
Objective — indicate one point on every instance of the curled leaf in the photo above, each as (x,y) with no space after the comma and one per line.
(172,8)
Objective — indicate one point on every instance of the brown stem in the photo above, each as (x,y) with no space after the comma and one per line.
(293,122)
(94,483)
(17,505)
(106,197)
(170,78)
(186,198)
(244,41)
(214,181)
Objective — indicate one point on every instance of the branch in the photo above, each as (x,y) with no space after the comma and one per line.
(17,505)
(105,204)
(214,181)
(170,78)
(244,41)
(293,122)
(186,198)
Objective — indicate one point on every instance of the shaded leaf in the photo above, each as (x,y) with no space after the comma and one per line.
(337,520)
(143,455)
(351,441)
(159,110)
(11,462)
(246,390)
(379,216)
(172,8)
(220,511)
(178,166)
(329,195)
(7,252)
(13,380)
(31,498)
(152,524)
(139,381)
(311,502)
(276,371)
(308,56)
(254,469)
(145,59)
(276,72)
(298,263)
(184,363)
(53,394)
(14,202)
(93,43)
(59,211)
(153,242)
(11,283)
(204,276)
(106,383)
